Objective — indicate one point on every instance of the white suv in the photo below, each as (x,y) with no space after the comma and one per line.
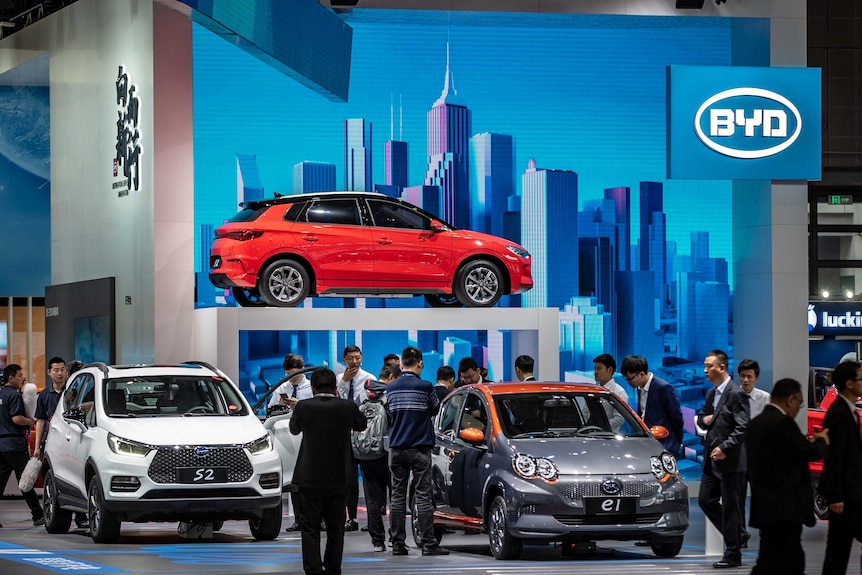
(158,443)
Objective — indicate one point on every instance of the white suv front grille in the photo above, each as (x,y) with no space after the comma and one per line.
(168,459)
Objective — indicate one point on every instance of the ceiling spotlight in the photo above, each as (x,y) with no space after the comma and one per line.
(825,294)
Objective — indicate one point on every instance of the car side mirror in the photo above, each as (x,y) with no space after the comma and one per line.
(437,227)
(472,435)
(76,414)
(659,432)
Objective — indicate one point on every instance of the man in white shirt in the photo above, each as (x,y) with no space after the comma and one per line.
(351,385)
(294,389)
(749,375)
(604,367)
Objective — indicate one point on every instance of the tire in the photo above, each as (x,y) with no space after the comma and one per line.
(503,544)
(414,526)
(217,525)
(821,507)
(284,283)
(669,547)
(479,284)
(248,297)
(104,524)
(57,519)
(268,526)
(442,300)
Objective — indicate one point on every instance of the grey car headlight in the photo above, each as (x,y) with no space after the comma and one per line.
(529,467)
(663,465)
(261,445)
(122,446)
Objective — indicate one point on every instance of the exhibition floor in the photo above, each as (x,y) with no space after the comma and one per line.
(157,548)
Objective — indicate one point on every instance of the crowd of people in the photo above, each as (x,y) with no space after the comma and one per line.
(382,426)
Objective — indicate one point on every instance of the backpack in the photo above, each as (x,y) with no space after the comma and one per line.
(370,443)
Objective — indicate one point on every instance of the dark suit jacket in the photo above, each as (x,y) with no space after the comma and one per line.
(841,480)
(325,455)
(727,430)
(662,408)
(778,456)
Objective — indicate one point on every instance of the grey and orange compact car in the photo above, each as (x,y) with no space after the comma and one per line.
(540,462)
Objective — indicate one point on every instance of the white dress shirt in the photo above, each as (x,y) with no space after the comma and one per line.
(757,400)
(359,393)
(303,391)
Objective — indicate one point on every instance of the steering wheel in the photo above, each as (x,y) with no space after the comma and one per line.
(587,429)
(199,409)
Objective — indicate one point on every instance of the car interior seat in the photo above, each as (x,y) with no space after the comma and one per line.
(116,401)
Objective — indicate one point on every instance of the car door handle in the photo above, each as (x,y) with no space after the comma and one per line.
(310,238)
(384,241)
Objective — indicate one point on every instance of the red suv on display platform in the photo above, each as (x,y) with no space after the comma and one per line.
(277,252)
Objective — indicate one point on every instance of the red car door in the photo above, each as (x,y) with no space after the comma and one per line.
(333,239)
(408,255)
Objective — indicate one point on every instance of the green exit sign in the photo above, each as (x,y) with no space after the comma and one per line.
(840,200)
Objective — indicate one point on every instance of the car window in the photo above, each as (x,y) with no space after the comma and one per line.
(293,212)
(73,388)
(449,414)
(171,396)
(475,414)
(248,214)
(86,398)
(564,414)
(341,211)
(392,215)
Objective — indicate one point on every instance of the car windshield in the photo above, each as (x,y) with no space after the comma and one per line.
(562,414)
(171,396)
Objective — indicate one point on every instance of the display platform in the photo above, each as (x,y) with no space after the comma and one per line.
(217,330)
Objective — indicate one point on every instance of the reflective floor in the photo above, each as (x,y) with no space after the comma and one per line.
(158,548)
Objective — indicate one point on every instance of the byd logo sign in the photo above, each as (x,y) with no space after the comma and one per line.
(748,123)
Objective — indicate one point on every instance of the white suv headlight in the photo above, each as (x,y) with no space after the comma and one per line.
(122,446)
(262,445)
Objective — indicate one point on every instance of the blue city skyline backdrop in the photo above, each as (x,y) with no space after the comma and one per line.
(580,93)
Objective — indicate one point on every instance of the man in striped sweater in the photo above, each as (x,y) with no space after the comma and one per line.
(411,405)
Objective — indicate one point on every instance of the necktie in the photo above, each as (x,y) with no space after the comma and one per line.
(350,390)
(642,401)
(295,388)
(717,397)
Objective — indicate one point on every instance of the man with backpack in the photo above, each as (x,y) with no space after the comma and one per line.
(369,449)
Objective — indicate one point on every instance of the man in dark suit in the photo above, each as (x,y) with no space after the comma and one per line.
(657,402)
(524,366)
(841,480)
(724,416)
(781,496)
(325,422)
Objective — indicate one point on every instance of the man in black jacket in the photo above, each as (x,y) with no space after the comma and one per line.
(840,482)
(781,496)
(722,486)
(323,469)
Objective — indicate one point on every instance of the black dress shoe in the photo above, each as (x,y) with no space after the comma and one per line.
(351,525)
(434,550)
(399,549)
(294,527)
(726,564)
(743,539)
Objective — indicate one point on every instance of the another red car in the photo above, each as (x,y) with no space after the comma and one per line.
(820,386)
(360,244)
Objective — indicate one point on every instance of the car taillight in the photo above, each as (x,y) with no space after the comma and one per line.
(243,235)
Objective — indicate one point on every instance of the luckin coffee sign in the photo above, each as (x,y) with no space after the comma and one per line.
(835,318)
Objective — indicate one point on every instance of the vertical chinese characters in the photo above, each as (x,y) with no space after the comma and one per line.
(128,145)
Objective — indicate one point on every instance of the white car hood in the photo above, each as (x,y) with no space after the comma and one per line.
(196,430)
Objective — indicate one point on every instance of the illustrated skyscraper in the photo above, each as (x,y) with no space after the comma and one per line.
(313,177)
(395,157)
(449,127)
(548,226)
(248,185)
(623,243)
(653,252)
(492,181)
(357,155)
